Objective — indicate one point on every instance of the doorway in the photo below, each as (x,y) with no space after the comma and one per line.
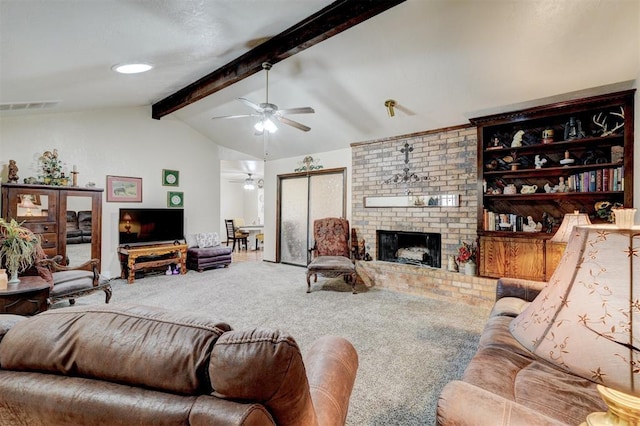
(303,198)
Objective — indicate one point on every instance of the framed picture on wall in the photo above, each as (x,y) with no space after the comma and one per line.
(175,199)
(124,189)
(170,177)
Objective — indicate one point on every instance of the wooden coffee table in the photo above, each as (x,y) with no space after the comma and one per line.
(29,297)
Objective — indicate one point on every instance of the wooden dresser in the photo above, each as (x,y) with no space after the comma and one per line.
(48,215)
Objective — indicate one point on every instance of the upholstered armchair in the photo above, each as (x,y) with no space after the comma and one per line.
(330,255)
(69,283)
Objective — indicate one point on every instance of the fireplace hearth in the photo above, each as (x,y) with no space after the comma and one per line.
(415,248)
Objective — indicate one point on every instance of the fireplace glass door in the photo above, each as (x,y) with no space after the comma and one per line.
(304,198)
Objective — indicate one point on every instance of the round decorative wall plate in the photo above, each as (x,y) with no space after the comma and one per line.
(170,177)
(175,199)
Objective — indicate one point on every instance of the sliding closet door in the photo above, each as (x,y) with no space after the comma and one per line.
(303,199)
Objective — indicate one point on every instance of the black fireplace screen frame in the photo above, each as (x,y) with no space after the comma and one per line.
(426,247)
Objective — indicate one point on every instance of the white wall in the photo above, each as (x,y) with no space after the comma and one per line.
(328,160)
(121,142)
(236,202)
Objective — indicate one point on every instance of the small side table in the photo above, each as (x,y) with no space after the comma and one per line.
(29,297)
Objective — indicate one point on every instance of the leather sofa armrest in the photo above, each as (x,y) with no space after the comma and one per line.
(331,364)
(516,287)
(7,321)
(463,404)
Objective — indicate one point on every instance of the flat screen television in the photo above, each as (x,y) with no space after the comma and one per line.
(146,226)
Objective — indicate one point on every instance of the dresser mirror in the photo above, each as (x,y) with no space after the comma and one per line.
(79,229)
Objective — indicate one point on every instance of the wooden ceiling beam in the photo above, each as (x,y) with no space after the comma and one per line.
(332,20)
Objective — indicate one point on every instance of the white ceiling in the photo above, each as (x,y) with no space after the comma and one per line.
(443,61)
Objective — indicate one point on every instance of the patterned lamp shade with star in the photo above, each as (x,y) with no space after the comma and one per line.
(587,319)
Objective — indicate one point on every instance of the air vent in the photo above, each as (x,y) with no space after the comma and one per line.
(22,106)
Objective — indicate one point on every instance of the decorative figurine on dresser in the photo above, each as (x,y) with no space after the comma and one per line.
(13,171)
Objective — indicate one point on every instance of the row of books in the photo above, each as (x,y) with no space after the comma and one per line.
(598,180)
(504,222)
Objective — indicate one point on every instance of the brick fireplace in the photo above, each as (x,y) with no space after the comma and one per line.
(446,158)
(412,248)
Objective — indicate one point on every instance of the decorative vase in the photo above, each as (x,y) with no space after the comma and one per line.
(452,265)
(3,279)
(14,278)
(470,268)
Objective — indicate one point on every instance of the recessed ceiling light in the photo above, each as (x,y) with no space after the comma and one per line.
(131,68)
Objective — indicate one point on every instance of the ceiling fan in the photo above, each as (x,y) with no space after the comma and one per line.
(249,183)
(268,112)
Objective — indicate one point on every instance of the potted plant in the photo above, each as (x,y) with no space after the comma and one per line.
(19,248)
(467,254)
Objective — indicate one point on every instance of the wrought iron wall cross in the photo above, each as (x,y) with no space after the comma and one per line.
(406,177)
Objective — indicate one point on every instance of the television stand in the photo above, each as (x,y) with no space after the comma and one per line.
(151,256)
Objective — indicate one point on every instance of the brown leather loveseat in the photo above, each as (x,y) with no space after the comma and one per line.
(505,384)
(133,364)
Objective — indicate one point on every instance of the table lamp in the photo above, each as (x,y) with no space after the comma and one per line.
(26,203)
(127,226)
(587,319)
(568,222)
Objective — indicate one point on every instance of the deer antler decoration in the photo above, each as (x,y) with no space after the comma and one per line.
(601,122)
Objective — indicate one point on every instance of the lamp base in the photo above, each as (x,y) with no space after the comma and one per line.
(624,409)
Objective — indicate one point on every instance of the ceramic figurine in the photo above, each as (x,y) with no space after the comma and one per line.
(517,138)
(528,189)
(13,172)
(540,162)
(530,225)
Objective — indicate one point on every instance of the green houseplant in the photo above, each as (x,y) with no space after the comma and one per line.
(19,248)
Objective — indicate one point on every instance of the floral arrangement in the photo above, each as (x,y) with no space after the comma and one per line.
(52,169)
(604,210)
(467,253)
(19,247)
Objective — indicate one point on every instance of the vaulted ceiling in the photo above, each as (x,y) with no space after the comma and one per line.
(442,61)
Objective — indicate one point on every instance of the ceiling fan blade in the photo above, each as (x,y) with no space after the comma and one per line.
(250,104)
(301,110)
(292,123)
(235,116)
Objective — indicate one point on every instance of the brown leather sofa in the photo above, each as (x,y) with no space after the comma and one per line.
(133,364)
(504,384)
(78,227)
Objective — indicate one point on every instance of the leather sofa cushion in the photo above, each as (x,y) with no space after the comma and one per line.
(7,321)
(509,306)
(264,366)
(72,221)
(504,368)
(130,344)
(558,394)
(84,220)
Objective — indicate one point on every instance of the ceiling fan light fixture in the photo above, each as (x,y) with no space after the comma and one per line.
(249,183)
(265,124)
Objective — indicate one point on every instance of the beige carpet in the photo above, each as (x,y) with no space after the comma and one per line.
(409,347)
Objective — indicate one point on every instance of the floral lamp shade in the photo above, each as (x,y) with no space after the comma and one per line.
(587,318)
(568,222)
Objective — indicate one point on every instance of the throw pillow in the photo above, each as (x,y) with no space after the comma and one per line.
(191,240)
(205,239)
